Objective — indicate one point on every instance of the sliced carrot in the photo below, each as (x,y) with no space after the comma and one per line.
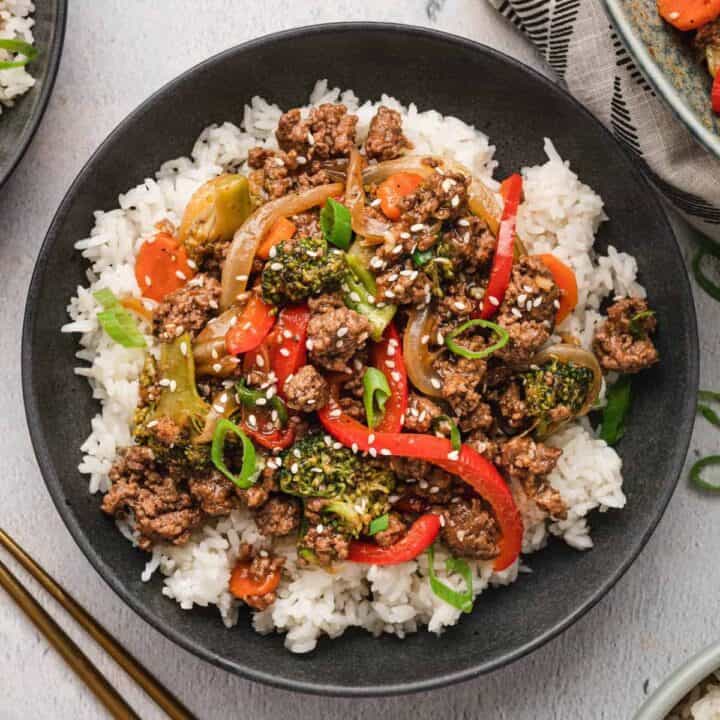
(282,229)
(243,585)
(136,305)
(391,191)
(689,14)
(161,266)
(565,279)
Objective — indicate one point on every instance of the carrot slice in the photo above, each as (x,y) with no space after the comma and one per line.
(565,279)
(243,585)
(392,190)
(161,266)
(689,14)
(282,229)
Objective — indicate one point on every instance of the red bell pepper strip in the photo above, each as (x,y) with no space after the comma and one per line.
(466,463)
(274,439)
(252,327)
(715,94)
(287,343)
(511,191)
(387,357)
(419,538)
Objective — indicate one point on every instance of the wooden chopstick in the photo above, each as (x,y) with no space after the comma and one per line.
(158,692)
(70,652)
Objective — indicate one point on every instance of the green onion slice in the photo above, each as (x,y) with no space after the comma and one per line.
(20,47)
(711,288)
(117,322)
(635,328)
(376,392)
(217,454)
(708,396)
(618,404)
(501,332)
(379,524)
(249,398)
(696,473)
(455,437)
(421,258)
(335,224)
(459,600)
(709,414)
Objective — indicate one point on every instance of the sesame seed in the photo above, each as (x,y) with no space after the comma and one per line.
(310,139)
(556,304)
(455,201)
(390,363)
(279,162)
(301,159)
(354,296)
(417,227)
(460,305)
(405,235)
(529,305)
(389,294)
(397,249)
(396,376)
(233,321)
(192,264)
(261,401)
(294,468)
(252,421)
(183,348)
(342,331)
(335,413)
(447,184)
(373,452)
(148,280)
(423,484)
(425,339)
(276,266)
(214,354)
(674,15)
(180,275)
(453,455)
(218,409)
(337,445)
(153,423)
(375,202)
(516,312)
(354,448)
(260,361)
(521,299)
(440,339)
(493,300)
(309,344)
(385,451)
(463,222)
(287,334)
(435,382)
(434,490)
(393,499)
(284,352)
(217,367)
(527,288)
(371,438)
(442,521)
(272,252)
(164,382)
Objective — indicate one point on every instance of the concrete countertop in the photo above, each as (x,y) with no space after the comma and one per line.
(661,612)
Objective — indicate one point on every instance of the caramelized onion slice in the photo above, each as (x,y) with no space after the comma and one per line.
(417,356)
(248,237)
(370,229)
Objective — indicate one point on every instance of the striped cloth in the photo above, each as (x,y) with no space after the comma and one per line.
(576,39)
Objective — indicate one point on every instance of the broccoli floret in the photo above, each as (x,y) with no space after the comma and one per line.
(356,488)
(555,386)
(299,269)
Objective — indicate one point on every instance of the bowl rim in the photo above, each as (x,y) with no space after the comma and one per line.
(679,683)
(33,122)
(658,79)
(168,630)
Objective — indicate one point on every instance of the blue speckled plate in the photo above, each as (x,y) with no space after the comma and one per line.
(671,65)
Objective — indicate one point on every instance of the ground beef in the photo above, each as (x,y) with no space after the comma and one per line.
(259,566)
(327,132)
(404,284)
(307,224)
(187,309)
(528,310)
(165,431)
(279,516)
(470,530)
(162,510)
(420,413)
(327,544)
(510,404)
(440,197)
(334,335)
(424,481)
(481,418)
(395,531)
(215,493)
(468,244)
(259,493)
(276,173)
(528,463)
(306,390)
(480,442)
(354,408)
(624,345)
(461,377)
(385,139)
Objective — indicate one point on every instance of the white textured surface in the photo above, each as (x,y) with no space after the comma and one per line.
(664,609)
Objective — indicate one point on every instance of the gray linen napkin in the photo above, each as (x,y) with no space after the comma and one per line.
(576,39)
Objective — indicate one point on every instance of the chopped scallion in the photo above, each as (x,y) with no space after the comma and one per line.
(455,437)
(618,404)
(244,479)
(696,473)
(379,524)
(459,600)
(335,224)
(19,47)
(710,287)
(376,391)
(117,322)
(501,332)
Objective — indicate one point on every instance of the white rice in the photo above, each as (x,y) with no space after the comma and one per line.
(15,24)
(559,215)
(702,703)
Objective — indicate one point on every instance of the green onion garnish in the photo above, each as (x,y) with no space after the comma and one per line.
(421,258)
(379,524)
(711,288)
(459,600)
(618,404)
(21,48)
(376,392)
(217,454)
(335,224)
(635,328)
(501,332)
(697,468)
(117,322)
(455,437)
(705,410)
(249,398)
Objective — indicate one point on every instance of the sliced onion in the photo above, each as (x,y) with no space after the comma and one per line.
(248,237)
(212,338)
(566,353)
(222,367)
(223,406)
(416,164)
(417,356)
(370,229)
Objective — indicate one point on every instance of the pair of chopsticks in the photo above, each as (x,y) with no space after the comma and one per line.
(71,653)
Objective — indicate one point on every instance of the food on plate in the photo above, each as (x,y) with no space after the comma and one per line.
(700,17)
(701,703)
(16,50)
(345,374)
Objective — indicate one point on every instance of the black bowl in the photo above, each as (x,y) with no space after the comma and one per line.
(517,108)
(19,123)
